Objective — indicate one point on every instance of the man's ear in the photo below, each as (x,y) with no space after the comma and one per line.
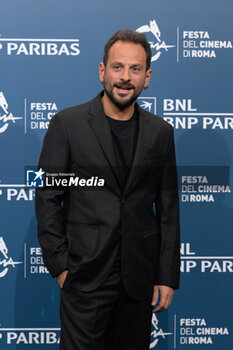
(148,76)
(101,71)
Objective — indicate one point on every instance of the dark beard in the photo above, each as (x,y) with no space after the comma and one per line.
(124,104)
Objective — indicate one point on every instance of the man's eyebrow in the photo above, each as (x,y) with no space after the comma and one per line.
(131,65)
(117,62)
(137,65)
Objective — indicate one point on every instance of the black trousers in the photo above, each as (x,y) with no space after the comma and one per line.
(105,319)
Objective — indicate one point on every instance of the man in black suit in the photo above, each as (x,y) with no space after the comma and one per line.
(115,259)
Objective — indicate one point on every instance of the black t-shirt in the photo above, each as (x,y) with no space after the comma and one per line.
(124,139)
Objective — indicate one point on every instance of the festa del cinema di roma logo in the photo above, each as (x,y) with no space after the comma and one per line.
(5,117)
(40,114)
(5,260)
(157,45)
(156,332)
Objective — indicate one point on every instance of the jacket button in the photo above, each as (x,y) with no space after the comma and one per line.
(119,232)
(123,201)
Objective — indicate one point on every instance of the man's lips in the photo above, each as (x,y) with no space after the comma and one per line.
(124,89)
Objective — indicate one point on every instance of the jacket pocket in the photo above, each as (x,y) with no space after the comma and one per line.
(66,282)
(83,240)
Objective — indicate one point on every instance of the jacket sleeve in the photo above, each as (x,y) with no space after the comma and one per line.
(167,211)
(48,201)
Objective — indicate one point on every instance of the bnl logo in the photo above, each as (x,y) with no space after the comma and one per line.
(35,178)
(147,103)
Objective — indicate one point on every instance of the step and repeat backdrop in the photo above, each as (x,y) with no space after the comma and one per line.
(49,56)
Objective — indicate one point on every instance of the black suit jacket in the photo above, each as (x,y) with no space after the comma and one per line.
(80,229)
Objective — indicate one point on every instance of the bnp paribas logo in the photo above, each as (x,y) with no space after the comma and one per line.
(157,44)
(39,47)
(6,118)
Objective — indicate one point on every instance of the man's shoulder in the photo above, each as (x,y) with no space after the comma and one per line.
(78,111)
(156,121)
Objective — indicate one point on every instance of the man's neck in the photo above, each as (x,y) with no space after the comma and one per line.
(112,111)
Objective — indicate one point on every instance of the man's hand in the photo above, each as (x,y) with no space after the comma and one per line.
(164,295)
(61,278)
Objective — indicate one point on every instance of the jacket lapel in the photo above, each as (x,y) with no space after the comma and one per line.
(101,129)
(143,138)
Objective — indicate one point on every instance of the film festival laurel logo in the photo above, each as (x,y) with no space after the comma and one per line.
(5,260)
(157,45)
(5,117)
(156,332)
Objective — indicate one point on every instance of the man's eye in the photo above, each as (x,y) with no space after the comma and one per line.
(136,69)
(116,67)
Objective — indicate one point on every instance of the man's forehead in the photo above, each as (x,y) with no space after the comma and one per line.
(121,49)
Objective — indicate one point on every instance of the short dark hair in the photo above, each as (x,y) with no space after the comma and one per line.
(128,36)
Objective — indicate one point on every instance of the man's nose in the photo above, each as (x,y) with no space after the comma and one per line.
(125,74)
